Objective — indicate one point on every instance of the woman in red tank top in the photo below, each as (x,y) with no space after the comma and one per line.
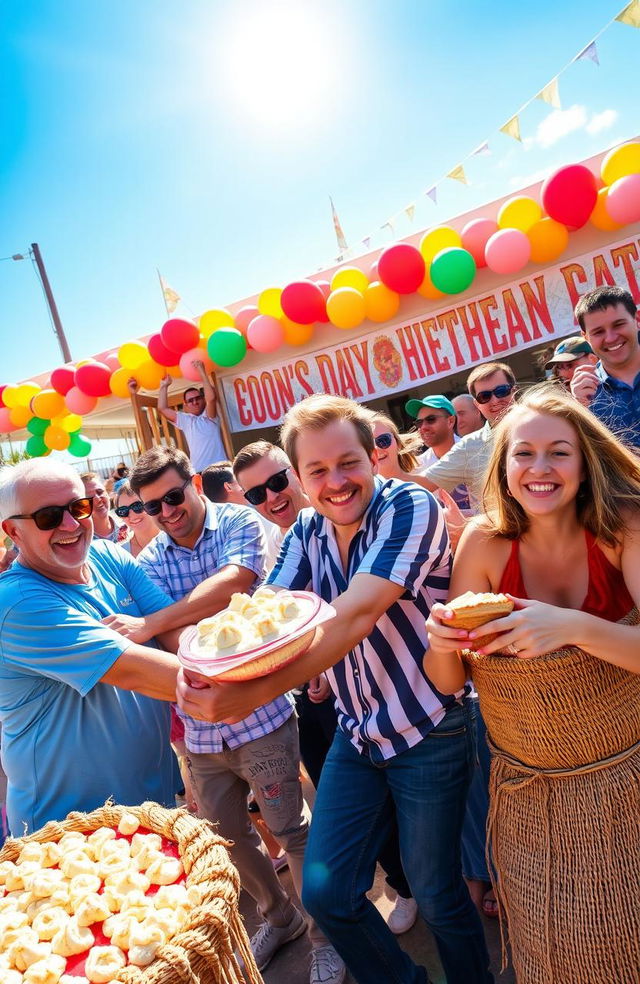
(559,687)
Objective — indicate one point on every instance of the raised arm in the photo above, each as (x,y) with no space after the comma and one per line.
(358,610)
(163,400)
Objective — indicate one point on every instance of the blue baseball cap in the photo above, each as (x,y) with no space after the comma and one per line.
(413,407)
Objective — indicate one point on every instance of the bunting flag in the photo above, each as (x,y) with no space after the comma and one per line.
(170,297)
(590,53)
(366,242)
(432,194)
(482,150)
(388,225)
(631,14)
(342,242)
(410,211)
(457,173)
(551,94)
(512,128)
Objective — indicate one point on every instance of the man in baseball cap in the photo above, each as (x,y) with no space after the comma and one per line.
(568,355)
(436,420)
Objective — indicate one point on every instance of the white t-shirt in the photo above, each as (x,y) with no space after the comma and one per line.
(203,436)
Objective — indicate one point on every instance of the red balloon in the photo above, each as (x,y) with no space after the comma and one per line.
(160,353)
(2,389)
(325,287)
(92,379)
(62,379)
(569,195)
(304,302)
(401,268)
(179,336)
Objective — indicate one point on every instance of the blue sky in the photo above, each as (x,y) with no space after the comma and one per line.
(204,139)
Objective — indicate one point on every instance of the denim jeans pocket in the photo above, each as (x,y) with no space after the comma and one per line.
(455,722)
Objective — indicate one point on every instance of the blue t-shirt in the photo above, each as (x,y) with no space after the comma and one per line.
(68,741)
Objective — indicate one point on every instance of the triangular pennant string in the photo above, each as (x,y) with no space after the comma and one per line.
(512,128)
(551,94)
(590,53)
(457,173)
(410,211)
(631,14)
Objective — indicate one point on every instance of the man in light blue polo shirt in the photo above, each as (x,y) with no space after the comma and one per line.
(84,711)
(379,552)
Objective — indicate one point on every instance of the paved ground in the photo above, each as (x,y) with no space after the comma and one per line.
(290,965)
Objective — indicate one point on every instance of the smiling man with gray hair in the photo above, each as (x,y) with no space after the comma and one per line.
(84,711)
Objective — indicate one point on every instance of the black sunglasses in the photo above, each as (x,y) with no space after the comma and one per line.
(50,517)
(136,507)
(174,497)
(383,441)
(277,483)
(431,419)
(498,391)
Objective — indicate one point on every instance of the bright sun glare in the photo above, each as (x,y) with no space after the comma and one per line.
(280,63)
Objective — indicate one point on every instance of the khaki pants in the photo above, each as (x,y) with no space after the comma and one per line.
(270,768)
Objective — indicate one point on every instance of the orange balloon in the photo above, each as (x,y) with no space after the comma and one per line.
(295,334)
(20,416)
(119,382)
(47,404)
(149,374)
(427,288)
(548,239)
(600,217)
(381,302)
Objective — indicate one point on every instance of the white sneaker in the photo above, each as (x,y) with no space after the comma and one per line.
(267,939)
(327,967)
(402,916)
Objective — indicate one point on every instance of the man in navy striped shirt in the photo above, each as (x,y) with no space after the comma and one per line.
(379,552)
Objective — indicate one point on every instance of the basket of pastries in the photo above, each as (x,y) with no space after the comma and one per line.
(122,895)
(255,635)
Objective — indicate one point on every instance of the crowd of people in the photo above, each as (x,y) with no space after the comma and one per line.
(533,493)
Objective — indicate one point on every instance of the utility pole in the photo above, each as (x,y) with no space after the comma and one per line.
(57,324)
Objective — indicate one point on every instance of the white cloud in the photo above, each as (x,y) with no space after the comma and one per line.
(560,123)
(601,121)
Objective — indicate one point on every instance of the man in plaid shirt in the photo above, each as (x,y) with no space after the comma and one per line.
(211,549)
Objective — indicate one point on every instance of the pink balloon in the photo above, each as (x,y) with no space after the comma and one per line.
(6,425)
(112,361)
(244,317)
(373,272)
(475,237)
(187,368)
(507,251)
(623,200)
(265,334)
(78,402)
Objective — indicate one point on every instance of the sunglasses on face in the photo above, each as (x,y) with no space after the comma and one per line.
(50,517)
(277,483)
(174,497)
(194,399)
(136,507)
(498,391)
(431,419)
(383,441)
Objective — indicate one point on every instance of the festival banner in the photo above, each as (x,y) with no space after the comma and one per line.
(458,335)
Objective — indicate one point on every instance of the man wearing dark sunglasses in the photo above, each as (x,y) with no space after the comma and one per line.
(198,418)
(493,388)
(435,418)
(204,553)
(84,711)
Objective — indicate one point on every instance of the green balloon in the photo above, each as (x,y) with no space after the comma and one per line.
(227,347)
(37,426)
(452,270)
(36,447)
(79,446)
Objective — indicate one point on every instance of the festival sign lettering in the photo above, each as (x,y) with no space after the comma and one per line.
(385,361)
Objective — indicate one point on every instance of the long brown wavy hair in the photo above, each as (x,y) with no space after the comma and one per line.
(408,444)
(610,492)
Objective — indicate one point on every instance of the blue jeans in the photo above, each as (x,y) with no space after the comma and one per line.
(427,785)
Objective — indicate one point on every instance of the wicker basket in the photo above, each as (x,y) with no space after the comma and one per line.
(207,948)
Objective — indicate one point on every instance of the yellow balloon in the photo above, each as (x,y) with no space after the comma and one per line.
(269,302)
(346,307)
(68,422)
(548,239)
(519,213)
(619,163)
(47,404)
(427,288)
(210,321)
(149,374)
(25,393)
(132,354)
(295,334)
(350,276)
(20,416)
(119,382)
(10,396)
(56,438)
(436,239)
(381,303)
(600,217)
